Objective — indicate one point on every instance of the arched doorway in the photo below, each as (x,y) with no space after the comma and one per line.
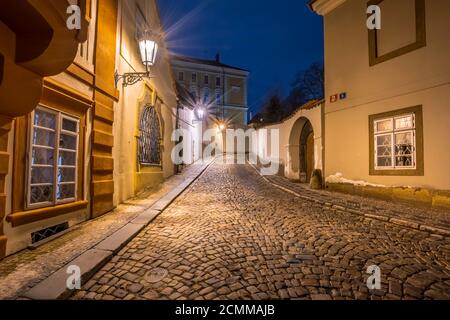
(306,152)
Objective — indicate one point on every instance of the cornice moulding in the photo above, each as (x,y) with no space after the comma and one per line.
(323,7)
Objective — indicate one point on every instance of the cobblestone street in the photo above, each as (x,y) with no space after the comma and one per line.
(233,235)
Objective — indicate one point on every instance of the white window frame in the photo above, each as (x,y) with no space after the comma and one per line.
(60,116)
(392,133)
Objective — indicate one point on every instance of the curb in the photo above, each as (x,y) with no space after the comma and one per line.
(400,222)
(54,287)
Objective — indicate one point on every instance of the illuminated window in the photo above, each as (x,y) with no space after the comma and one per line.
(397,142)
(53,164)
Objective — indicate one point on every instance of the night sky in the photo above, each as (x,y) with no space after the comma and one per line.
(274,39)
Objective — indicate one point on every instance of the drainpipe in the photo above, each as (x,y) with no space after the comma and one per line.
(177,126)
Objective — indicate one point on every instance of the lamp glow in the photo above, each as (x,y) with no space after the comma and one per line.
(201,113)
(149,49)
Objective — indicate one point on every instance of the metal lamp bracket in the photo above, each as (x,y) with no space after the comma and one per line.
(131,78)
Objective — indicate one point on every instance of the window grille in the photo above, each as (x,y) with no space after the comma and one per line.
(150,139)
(395,143)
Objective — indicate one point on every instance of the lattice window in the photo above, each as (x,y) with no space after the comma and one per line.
(53,162)
(150,139)
(395,143)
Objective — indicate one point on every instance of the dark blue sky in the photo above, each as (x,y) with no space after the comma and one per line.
(274,39)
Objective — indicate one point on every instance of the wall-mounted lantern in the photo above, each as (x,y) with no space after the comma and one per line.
(200,113)
(148,47)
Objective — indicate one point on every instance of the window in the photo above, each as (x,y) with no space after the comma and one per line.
(403,29)
(218,96)
(194,93)
(218,82)
(396,142)
(181,76)
(194,77)
(52,168)
(206,95)
(150,139)
(206,79)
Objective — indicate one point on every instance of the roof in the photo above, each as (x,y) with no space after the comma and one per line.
(310,4)
(307,106)
(213,63)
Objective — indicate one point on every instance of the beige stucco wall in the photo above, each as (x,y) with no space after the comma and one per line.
(127,181)
(236,97)
(421,77)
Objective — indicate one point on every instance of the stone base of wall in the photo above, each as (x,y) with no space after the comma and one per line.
(416,196)
(148,180)
(2,247)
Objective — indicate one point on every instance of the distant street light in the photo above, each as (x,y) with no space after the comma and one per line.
(200,113)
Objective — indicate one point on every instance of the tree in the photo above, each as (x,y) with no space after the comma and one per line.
(308,85)
(273,108)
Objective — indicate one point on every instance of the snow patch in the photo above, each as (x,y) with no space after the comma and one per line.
(339,178)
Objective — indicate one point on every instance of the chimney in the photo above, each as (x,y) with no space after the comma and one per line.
(218,57)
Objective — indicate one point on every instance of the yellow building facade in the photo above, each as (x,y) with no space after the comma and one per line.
(74,144)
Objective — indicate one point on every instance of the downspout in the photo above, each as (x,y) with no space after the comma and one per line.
(177,126)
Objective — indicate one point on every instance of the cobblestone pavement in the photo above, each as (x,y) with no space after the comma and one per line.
(25,269)
(233,235)
(436,218)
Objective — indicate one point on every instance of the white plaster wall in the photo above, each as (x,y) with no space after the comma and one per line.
(289,140)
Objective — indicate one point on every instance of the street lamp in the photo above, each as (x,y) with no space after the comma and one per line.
(148,47)
(200,113)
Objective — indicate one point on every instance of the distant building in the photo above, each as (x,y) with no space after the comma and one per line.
(218,89)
